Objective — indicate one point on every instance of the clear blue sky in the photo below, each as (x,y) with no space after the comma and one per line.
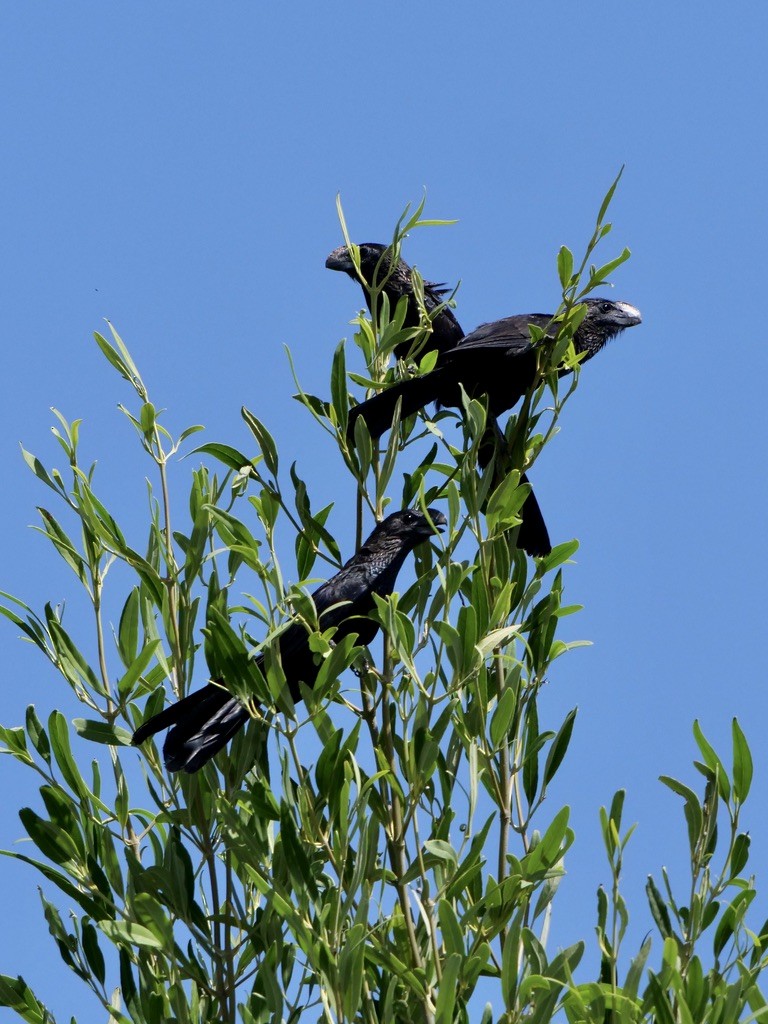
(173,167)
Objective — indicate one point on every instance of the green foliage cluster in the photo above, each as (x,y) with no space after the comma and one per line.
(385,851)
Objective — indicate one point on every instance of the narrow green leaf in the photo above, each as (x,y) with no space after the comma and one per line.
(39,470)
(225,453)
(712,760)
(128,630)
(559,747)
(137,668)
(130,934)
(497,638)
(453,937)
(339,394)
(93,953)
(742,764)
(37,734)
(565,266)
(59,736)
(50,840)
(659,910)
(351,966)
(16,994)
(502,717)
(608,197)
(446,995)
(264,438)
(102,732)
(693,812)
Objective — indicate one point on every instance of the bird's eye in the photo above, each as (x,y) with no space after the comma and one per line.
(605,307)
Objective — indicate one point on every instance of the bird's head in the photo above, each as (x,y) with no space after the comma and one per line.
(375,262)
(408,527)
(604,319)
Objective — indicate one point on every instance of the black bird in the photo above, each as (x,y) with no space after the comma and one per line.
(203,722)
(446,334)
(497,361)
(376,267)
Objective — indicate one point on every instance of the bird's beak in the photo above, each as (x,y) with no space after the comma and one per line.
(437,518)
(340,259)
(627,316)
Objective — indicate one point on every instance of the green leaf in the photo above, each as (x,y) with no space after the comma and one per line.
(39,470)
(608,197)
(603,273)
(694,815)
(565,266)
(532,747)
(16,994)
(225,453)
(742,764)
(128,630)
(712,761)
(59,736)
(63,544)
(496,638)
(102,732)
(122,359)
(442,851)
(264,438)
(453,937)
(502,717)
(559,747)
(50,840)
(351,965)
(739,854)
(659,910)
(446,995)
(130,934)
(137,668)
(93,953)
(95,907)
(37,734)
(558,556)
(506,501)
(147,418)
(339,395)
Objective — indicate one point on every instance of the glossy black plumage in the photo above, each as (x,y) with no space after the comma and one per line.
(498,361)
(445,335)
(204,721)
(376,266)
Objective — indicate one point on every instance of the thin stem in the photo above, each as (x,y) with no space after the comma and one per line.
(102,655)
(505,779)
(177,662)
(396,841)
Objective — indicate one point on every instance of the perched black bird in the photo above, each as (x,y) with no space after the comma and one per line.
(376,266)
(202,722)
(446,333)
(497,361)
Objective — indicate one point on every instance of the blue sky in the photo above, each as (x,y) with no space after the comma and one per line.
(174,168)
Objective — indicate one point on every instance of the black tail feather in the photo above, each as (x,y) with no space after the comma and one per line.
(533,536)
(202,723)
(189,745)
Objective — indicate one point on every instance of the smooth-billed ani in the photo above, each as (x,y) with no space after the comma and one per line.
(204,721)
(497,361)
(376,265)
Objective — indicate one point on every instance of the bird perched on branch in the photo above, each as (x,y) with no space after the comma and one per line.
(497,361)
(204,721)
(376,267)
(446,335)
